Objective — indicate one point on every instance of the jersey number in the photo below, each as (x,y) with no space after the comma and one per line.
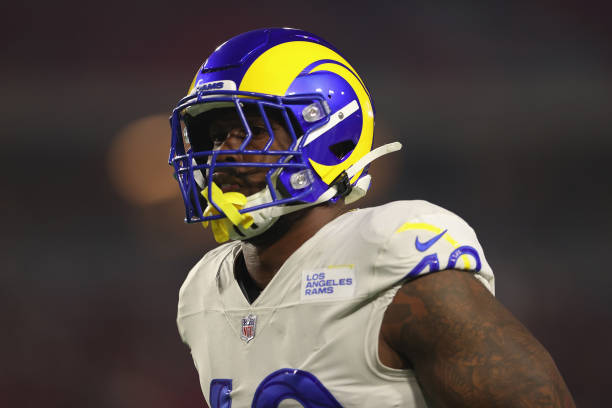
(286,383)
(434,264)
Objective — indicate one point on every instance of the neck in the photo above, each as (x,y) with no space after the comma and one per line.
(264,255)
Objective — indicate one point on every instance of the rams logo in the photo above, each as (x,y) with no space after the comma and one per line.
(209,86)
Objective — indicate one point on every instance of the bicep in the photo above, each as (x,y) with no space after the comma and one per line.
(467,349)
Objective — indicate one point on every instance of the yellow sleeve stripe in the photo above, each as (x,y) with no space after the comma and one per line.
(432,228)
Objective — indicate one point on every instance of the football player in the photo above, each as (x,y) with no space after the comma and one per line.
(304,303)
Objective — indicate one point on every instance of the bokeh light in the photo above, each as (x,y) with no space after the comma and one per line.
(137,162)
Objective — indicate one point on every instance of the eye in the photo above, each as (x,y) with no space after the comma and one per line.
(218,138)
(258,130)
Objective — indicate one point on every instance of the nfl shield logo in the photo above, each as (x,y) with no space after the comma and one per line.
(248,328)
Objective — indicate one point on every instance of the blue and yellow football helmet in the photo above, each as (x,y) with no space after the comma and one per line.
(304,82)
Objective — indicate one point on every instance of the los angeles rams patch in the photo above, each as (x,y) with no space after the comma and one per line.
(331,283)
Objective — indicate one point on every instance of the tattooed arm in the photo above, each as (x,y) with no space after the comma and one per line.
(467,350)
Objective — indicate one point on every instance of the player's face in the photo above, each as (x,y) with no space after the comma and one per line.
(227,133)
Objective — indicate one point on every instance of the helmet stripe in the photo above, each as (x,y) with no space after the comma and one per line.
(346,111)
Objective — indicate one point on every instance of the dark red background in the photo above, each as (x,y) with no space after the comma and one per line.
(504,111)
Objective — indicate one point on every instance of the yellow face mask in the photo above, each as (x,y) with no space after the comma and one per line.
(229,203)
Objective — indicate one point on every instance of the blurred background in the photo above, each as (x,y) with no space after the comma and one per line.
(504,110)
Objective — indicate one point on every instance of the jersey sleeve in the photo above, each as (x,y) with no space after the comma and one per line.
(188,303)
(193,291)
(423,238)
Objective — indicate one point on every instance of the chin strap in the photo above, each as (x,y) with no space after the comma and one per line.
(363,184)
(229,203)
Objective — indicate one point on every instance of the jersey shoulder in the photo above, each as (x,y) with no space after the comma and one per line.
(381,223)
(417,237)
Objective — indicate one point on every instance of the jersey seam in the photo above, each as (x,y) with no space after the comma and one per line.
(373,361)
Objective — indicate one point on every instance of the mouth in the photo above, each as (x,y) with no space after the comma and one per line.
(226,188)
(247,182)
(227,182)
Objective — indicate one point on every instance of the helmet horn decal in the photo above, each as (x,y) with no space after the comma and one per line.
(293,57)
(273,71)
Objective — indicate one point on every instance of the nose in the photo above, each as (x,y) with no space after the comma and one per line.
(234,138)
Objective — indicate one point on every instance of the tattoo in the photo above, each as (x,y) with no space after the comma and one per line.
(467,349)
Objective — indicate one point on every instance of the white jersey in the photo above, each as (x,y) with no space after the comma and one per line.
(311,337)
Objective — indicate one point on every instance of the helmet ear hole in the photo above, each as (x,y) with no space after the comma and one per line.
(341,149)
